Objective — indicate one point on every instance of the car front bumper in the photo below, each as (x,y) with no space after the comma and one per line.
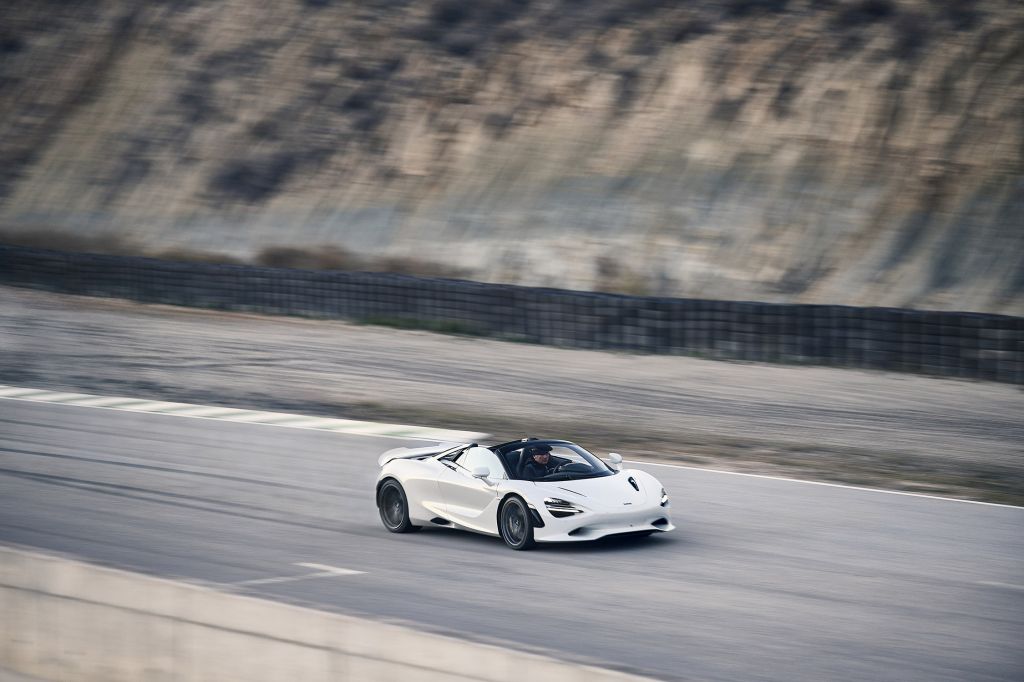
(592,525)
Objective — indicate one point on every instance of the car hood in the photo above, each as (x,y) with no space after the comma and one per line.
(604,492)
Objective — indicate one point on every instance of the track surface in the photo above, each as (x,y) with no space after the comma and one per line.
(764,579)
(889,430)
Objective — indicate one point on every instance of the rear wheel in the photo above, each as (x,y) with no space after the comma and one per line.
(394,507)
(515,524)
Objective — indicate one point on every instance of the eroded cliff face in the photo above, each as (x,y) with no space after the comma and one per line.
(865,152)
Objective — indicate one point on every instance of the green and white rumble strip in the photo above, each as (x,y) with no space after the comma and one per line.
(294,421)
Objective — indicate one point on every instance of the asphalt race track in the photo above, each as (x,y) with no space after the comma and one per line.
(764,579)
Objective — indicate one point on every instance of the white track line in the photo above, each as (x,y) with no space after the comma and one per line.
(830,485)
(1005,586)
(156,406)
(330,569)
(99,402)
(231,414)
(56,397)
(202,411)
(14,391)
(322,571)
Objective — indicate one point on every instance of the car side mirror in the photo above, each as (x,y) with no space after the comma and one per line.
(616,460)
(481,472)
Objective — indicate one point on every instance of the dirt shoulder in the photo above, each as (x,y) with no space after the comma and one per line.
(940,436)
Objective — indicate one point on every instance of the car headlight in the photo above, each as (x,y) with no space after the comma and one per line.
(560,508)
(664,498)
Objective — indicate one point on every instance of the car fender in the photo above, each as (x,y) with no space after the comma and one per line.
(420,485)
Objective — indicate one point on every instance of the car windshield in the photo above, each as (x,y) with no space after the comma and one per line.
(554,461)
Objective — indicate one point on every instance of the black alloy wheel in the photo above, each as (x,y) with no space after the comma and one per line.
(515,524)
(394,508)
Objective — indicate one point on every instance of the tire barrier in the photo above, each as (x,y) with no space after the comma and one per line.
(953,344)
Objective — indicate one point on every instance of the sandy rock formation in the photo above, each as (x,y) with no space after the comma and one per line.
(865,152)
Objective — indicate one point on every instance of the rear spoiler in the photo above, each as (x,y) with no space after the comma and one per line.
(409,453)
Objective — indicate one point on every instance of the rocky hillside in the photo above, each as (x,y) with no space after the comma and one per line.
(865,152)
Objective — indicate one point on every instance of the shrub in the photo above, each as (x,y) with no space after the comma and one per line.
(360,71)
(315,258)
(188,255)
(727,109)
(629,82)
(783,98)
(742,8)
(911,35)
(196,103)
(369,120)
(508,34)
(498,123)
(864,12)
(61,239)
(267,129)
(11,45)
(448,13)
(357,100)
(463,44)
(962,14)
(254,180)
(689,30)
(501,11)
(404,265)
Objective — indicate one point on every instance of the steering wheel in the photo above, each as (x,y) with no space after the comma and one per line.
(574,467)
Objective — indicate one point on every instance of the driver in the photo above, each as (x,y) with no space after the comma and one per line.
(539,464)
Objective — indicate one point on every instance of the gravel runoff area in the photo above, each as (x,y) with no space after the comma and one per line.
(938,436)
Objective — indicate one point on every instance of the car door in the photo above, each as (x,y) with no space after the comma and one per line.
(469,501)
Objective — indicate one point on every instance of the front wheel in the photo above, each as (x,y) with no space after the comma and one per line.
(515,525)
(394,507)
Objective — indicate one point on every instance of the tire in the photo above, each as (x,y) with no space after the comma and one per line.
(515,524)
(394,507)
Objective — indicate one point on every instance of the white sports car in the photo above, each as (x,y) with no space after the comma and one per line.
(524,491)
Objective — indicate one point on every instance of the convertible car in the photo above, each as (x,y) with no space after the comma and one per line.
(524,491)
